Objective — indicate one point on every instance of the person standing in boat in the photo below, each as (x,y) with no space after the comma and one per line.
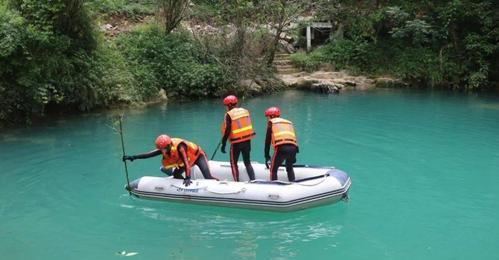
(178,155)
(237,128)
(281,134)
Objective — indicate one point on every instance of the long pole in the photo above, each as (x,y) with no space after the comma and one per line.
(123,149)
(216,149)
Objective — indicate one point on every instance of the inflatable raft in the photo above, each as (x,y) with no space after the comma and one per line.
(314,186)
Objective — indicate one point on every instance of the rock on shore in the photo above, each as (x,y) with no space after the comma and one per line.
(327,81)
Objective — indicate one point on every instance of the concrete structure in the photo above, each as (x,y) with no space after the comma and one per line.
(317,33)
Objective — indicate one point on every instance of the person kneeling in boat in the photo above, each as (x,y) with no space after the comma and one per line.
(238,129)
(281,134)
(179,155)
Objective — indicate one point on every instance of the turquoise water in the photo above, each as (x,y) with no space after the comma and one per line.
(424,166)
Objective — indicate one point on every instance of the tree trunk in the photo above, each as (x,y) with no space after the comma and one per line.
(238,48)
(172,12)
(273,47)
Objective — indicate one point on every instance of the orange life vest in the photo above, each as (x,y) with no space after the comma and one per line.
(282,132)
(241,127)
(173,159)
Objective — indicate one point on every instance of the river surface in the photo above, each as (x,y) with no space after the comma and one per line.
(424,169)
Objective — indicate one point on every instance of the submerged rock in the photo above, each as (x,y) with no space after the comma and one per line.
(162,95)
(250,86)
(327,88)
(387,82)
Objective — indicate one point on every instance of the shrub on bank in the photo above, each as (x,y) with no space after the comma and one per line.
(448,43)
(127,8)
(415,65)
(46,57)
(51,59)
(173,62)
(307,62)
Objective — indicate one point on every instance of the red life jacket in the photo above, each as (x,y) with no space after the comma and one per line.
(282,132)
(241,126)
(173,159)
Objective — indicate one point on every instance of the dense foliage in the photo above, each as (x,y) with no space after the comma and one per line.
(445,43)
(128,8)
(53,59)
(46,56)
(173,62)
(53,56)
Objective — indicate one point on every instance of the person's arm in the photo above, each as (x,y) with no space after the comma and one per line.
(228,126)
(150,154)
(182,150)
(268,138)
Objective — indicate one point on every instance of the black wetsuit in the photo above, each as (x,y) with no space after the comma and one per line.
(283,152)
(235,150)
(201,162)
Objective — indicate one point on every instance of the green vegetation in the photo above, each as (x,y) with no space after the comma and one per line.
(450,44)
(127,8)
(54,55)
(52,58)
(47,56)
(308,62)
(173,62)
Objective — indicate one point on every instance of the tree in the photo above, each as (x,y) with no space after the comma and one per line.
(48,58)
(280,13)
(171,12)
(240,14)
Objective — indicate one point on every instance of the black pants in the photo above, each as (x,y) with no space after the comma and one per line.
(245,149)
(201,162)
(285,152)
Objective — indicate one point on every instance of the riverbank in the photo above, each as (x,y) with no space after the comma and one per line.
(323,80)
(213,50)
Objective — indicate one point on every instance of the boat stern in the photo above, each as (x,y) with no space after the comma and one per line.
(340,176)
(344,181)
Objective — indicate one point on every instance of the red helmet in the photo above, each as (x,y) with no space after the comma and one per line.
(163,141)
(230,100)
(273,111)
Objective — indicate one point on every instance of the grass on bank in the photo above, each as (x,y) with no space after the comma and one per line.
(128,8)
